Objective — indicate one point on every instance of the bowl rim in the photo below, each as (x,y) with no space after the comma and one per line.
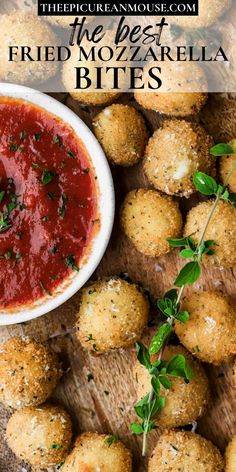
(106,201)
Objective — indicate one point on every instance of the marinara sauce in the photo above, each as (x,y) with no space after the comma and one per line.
(48,202)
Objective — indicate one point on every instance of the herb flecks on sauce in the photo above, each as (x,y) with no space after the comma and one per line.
(47,203)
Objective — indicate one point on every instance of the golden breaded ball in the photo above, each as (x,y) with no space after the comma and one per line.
(93,96)
(122,132)
(112,315)
(24,28)
(93,452)
(222,229)
(230,456)
(40,436)
(65,21)
(183,90)
(148,219)
(226,165)
(185,402)
(209,12)
(29,372)
(186,452)
(210,333)
(174,153)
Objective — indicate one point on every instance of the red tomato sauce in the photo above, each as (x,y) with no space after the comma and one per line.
(48,202)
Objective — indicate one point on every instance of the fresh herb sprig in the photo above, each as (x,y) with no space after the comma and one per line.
(161,371)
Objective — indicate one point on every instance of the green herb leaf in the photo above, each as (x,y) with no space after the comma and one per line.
(156,405)
(183,317)
(182,242)
(165,381)
(111,439)
(205,184)
(5,222)
(47,177)
(143,355)
(70,262)
(23,135)
(159,338)
(56,139)
(2,193)
(136,428)
(188,274)
(221,150)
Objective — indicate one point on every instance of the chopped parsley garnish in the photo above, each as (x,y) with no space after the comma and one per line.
(86,171)
(47,177)
(111,439)
(56,446)
(62,209)
(2,195)
(51,195)
(70,262)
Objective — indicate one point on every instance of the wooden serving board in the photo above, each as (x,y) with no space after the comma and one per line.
(105,404)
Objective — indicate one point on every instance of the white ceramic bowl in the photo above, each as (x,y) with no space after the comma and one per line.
(106,206)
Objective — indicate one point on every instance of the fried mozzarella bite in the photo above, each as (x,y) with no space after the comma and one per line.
(93,452)
(222,230)
(113,314)
(41,436)
(183,92)
(227,173)
(186,452)
(122,132)
(148,219)
(93,97)
(22,27)
(29,372)
(210,332)
(184,402)
(174,153)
